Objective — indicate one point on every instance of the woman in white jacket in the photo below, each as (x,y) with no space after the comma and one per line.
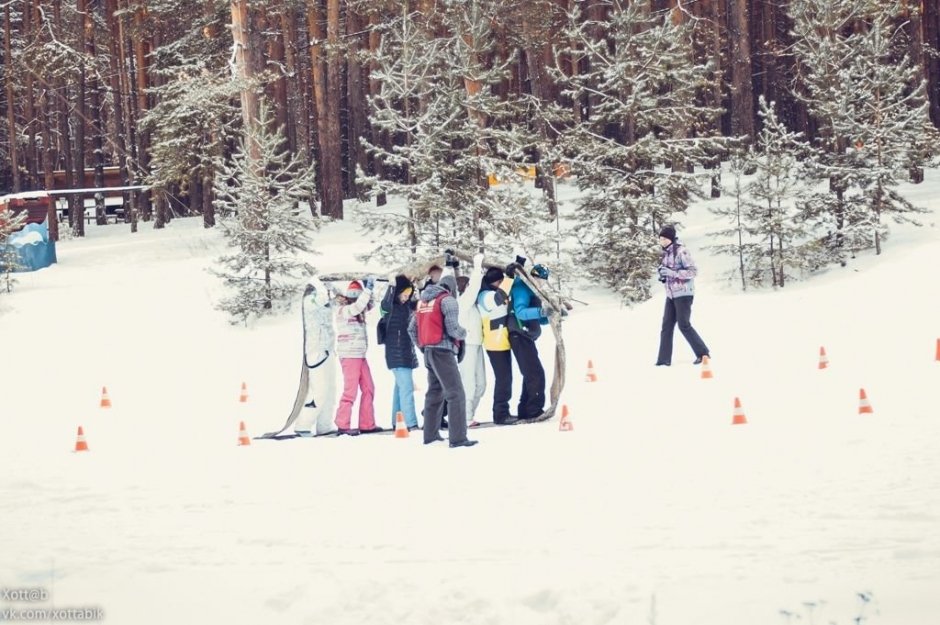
(472,370)
(316,414)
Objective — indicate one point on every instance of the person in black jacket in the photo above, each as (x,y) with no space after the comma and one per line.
(397,308)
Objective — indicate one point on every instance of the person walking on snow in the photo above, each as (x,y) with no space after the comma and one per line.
(352,341)
(435,328)
(397,309)
(472,368)
(677,273)
(316,412)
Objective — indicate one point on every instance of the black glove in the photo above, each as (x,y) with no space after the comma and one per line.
(450,260)
(520,260)
(461,350)
(511,270)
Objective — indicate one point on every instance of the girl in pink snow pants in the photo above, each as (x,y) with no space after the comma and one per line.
(352,341)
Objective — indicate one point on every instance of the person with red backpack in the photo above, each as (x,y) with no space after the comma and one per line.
(435,328)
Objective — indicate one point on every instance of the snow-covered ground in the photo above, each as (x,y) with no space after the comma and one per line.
(654,510)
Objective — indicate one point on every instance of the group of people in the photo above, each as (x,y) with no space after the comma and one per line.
(452,323)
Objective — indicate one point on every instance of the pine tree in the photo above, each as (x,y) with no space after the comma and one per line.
(645,129)
(888,124)
(775,192)
(862,89)
(770,238)
(264,217)
(9,259)
(452,138)
(194,117)
(736,212)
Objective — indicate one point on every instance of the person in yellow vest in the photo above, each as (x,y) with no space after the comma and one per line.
(493,304)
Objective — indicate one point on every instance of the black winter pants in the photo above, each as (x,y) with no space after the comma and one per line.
(502,383)
(678,310)
(532,398)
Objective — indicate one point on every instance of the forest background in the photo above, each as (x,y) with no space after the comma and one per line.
(442,101)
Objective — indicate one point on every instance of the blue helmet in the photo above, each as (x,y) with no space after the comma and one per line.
(539,271)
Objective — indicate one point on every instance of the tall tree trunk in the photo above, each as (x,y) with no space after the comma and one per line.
(10,75)
(48,158)
(129,96)
(245,64)
(208,209)
(291,99)
(277,64)
(538,79)
(930,12)
(142,47)
(378,137)
(32,153)
(575,61)
(324,64)
(117,95)
(207,173)
(65,137)
(78,221)
(742,95)
(97,129)
(356,100)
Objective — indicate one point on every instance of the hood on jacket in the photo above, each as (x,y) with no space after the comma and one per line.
(449,282)
(433,290)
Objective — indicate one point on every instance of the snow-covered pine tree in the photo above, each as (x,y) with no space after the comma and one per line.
(450,137)
(9,259)
(735,208)
(774,192)
(862,89)
(263,215)
(194,117)
(889,124)
(638,74)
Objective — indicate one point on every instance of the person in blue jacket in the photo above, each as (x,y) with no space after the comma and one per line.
(525,323)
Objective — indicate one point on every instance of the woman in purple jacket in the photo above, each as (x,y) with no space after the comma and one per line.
(677,272)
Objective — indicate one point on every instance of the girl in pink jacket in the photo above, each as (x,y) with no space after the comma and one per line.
(352,341)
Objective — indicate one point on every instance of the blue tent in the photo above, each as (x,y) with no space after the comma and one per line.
(32,246)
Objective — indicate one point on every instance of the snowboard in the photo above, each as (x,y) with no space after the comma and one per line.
(298,402)
(286,437)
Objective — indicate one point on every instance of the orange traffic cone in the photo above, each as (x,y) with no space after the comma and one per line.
(823,359)
(706,369)
(80,444)
(739,418)
(401,431)
(864,407)
(243,438)
(565,425)
(591,376)
(105,400)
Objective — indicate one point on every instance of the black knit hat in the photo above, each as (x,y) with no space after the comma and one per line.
(668,232)
(401,283)
(493,274)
